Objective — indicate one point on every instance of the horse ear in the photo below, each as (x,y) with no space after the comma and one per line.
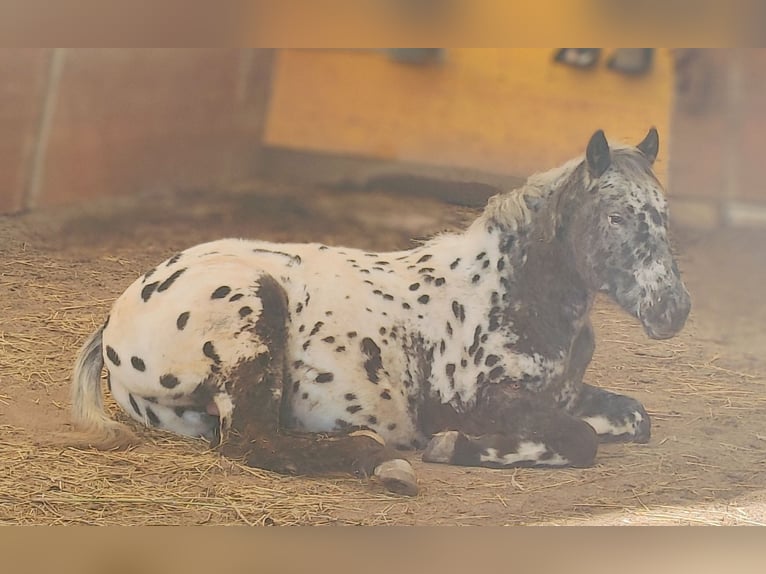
(597,154)
(651,145)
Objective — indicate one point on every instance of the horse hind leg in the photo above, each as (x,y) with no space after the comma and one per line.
(615,417)
(256,389)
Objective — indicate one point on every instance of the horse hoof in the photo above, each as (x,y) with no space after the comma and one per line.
(398,476)
(441,448)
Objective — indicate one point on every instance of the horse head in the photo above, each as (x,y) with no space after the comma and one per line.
(617,228)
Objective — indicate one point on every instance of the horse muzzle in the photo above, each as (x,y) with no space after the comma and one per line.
(666,315)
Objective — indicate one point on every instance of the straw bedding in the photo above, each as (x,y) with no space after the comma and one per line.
(59,273)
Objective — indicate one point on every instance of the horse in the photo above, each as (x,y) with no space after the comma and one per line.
(308,359)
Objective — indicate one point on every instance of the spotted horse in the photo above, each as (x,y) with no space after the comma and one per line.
(304,358)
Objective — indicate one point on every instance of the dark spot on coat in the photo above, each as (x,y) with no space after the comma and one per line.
(475,278)
(170,280)
(138,364)
(458,310)
(299,308)
(449,328)
(318,325)
(329,339)
(440,281)
(354,408)
(350,396)
(148,274)
(385,395)
(112,355)
(406,306)
(476,334)
(351,334)
(183,318)
(173,260)
(388,297)
(481,255)
(414,286)
(208,349)
(374,364)
(245,311)
(423,299)
(500,264)
(391,426)
(491,360)
(154,420)
(496,372)
(296,386)
(147,291)
(169,381)
(424,258)
(134,404)
(372,419)
(324,378)
(304,396)
(454,264)
(236,297)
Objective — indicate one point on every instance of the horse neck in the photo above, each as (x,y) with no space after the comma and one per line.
(539,291)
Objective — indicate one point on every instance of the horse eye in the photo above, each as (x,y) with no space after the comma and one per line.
(615,219)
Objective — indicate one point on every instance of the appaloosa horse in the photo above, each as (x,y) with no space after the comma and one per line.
(304,358)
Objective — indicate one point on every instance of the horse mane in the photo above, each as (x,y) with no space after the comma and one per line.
(542,193)
(513,210)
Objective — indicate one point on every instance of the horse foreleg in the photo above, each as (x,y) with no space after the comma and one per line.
(614,417)
(519,431)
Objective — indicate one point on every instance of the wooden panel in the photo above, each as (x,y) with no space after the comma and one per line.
(130,121)
(23,79)
(749,159)
(505,110)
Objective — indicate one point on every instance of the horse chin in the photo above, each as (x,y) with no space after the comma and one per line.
(660,333)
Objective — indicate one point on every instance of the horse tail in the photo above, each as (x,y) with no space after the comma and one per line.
(93,427)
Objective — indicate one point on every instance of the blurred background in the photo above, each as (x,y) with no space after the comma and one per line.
(79,124)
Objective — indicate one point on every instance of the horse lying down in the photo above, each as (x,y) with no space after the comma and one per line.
(305,358)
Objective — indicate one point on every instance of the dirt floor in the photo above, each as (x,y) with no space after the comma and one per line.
(60,271)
